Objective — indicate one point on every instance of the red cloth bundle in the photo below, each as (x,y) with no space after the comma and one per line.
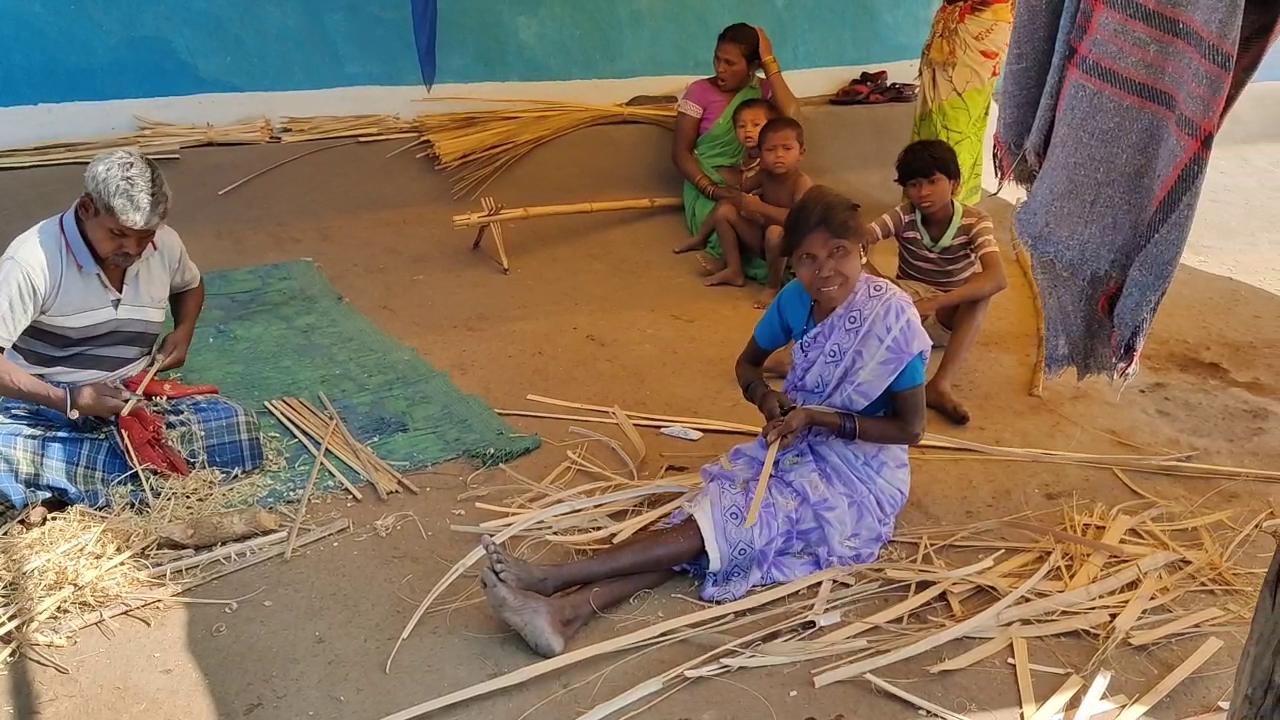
(143,430)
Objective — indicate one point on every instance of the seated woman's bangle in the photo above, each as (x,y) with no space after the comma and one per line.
(770,65)
(748,392)
(848,426)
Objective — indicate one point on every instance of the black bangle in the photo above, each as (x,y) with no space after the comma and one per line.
(848,426)
(749,390)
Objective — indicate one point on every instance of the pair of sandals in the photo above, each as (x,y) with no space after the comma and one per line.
(875,89)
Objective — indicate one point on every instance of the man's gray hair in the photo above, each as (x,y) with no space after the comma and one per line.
(129,186)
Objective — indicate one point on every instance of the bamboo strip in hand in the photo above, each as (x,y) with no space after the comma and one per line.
(762,484)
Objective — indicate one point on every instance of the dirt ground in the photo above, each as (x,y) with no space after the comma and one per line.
(598,310)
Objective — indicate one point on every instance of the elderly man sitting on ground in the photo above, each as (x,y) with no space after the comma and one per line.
(83,297)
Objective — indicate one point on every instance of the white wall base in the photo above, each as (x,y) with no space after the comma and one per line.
(31,124)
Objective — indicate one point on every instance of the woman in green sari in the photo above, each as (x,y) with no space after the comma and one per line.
(705,140)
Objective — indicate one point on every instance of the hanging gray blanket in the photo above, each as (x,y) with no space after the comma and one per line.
(1108,111)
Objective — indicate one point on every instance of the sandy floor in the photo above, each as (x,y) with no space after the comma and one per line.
(597,309)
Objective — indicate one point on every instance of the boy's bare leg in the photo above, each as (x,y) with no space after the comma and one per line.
(730,227)
(658,550)
(964,321)
(698,241)
(547,623)
(777,263)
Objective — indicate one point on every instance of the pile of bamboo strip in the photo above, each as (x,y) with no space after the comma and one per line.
(1128,578)
(157,140)
(311,427)
(330,127)
(474,147)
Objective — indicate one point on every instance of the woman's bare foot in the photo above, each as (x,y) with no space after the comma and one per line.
(708,265)
(515,572)
(529,614)
(766,298)
(726,277)
(939,397)
(690,245)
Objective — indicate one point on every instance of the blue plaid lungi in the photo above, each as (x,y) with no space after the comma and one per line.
(44,454)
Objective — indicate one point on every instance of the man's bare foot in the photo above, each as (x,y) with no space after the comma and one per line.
(515,572)
(939,397)
(726,277)
(529,614)
(689,245)
(766,298)
(36,517)
(708,265)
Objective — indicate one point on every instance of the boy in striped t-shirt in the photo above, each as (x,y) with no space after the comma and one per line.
(948,261)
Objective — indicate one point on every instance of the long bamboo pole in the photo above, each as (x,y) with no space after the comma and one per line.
(472,219)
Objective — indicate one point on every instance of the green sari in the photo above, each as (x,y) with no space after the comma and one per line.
(719,147)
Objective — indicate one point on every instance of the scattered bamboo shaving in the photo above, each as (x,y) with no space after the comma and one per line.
(1022,665)
(1180,673)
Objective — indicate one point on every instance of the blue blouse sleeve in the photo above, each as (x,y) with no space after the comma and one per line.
(911,377)
(784,319)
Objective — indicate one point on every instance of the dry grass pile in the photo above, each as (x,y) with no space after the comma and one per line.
(1119,581)
(83,566)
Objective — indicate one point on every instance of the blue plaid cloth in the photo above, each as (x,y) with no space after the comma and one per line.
(44,454)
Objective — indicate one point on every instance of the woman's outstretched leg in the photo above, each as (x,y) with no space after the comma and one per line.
(651,552)
(547,623)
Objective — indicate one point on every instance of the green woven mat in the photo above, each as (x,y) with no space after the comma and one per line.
(282,330)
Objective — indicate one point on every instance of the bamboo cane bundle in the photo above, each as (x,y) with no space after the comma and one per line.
(310,424)
(329,127)
(474,147)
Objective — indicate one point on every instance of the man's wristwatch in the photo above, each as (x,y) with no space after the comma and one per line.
(72,413)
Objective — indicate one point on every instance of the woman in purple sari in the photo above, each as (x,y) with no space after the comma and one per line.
(852,403)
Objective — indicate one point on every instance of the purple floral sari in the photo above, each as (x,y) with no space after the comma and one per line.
(830,501)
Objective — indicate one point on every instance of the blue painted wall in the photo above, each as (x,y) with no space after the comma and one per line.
(588,39)
(66,50)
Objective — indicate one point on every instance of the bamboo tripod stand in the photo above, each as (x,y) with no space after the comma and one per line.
(493,214)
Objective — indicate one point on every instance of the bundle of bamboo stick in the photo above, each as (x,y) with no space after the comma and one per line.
(1128,578)
(330,127)
(311,427)
(474,147)
(157,140)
